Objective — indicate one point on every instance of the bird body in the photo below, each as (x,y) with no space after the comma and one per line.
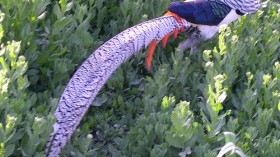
(208,15)
(201,19)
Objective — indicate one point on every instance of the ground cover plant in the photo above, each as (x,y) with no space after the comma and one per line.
(224,99)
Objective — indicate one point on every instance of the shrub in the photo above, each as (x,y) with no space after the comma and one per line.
(224,99)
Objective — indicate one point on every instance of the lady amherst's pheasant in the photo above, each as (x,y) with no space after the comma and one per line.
(199,18)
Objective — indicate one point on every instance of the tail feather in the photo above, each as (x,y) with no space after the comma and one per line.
(93,73)
(176,32)
(150,53)
(165,39)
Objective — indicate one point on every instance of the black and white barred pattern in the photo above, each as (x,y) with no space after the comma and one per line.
(94,72)
(245,6)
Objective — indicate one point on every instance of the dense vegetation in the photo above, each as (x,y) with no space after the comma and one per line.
(225,98)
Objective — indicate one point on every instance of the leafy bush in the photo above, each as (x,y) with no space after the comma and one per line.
(224,99)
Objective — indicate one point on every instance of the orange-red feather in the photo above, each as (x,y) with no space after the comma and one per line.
(151,50)
(165,39)
(153,44)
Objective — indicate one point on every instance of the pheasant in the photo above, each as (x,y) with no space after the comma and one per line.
(200,19)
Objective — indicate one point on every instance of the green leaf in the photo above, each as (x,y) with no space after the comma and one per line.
(2,133)
(61,24)
(264,120)
(158,150)
(229,137)
(9,150)
(57,11)
(114,151)
(174,140)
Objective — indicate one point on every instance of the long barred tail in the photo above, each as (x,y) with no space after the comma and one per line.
(94,72)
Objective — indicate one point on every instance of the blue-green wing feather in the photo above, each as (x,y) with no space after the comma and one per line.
(203,12)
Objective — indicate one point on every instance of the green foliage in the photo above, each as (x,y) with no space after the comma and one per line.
(25,123)
(223,100)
